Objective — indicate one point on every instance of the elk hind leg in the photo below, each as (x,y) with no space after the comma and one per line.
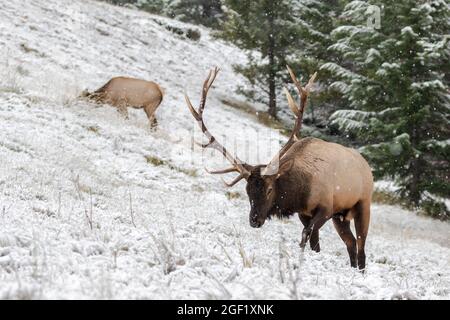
(150,112)
(343,229)
(362,220)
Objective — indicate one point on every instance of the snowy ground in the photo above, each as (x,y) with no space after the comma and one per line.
(85,214)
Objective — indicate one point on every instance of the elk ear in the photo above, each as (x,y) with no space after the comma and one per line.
(285,166)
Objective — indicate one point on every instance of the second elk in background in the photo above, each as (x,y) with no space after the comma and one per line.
(123,92)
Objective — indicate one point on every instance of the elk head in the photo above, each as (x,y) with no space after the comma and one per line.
(262,180)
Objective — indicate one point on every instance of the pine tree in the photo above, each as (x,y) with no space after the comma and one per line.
(268,27)
(396,78)
(153,6)
(121,2)
(316,20)
(206,12)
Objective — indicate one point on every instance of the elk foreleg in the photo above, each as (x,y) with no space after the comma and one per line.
(153,122)
(150,112)
(311,231)
(122,108)
(314,239)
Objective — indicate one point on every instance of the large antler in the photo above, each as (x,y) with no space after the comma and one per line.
(303,92)
(212,142)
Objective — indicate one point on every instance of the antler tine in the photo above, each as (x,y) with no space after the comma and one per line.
(311,81)
(298,111)
(291,103)
(294,79)
(236,180)
(212,142)
(228,170)
(206,86)
(191,107)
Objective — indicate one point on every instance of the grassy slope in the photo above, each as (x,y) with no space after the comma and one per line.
(93,206)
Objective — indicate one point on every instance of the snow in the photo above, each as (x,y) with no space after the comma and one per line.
(84,214)
(355,120)
(339,86)
(340,47)
(372,55)
(433,85)
(409,31)
(340,71)
(441,144)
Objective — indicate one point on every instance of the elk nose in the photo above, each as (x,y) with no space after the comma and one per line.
(254,223)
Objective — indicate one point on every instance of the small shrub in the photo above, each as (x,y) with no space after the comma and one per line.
(435,209)
(262,117)
(27,49)
(429,207)
(189,172)
(247,261)
(269,121)
(103,32)
(155,161)
(176,30)
(198,188)
(193,34)
(386,197)
(232,195)
(94,129)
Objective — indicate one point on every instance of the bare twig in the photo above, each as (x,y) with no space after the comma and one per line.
(131,211)
(246,261)
(88,216)
(226,293)
(292,273)
(59,204)
(226,253)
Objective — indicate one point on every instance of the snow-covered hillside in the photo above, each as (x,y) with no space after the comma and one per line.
(95,206)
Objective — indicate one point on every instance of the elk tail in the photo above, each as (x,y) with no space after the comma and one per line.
(162,91)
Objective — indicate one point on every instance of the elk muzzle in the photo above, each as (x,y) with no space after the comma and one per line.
(256,220)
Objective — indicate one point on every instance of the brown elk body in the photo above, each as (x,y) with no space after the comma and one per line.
(318,180)
(123,92)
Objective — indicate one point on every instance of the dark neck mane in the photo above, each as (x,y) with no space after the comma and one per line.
(294,190)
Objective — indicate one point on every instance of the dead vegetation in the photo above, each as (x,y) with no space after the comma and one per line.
(157,162)
(262,117)
(233,195)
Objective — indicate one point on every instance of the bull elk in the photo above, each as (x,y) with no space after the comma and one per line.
(319,180)
(123,92)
